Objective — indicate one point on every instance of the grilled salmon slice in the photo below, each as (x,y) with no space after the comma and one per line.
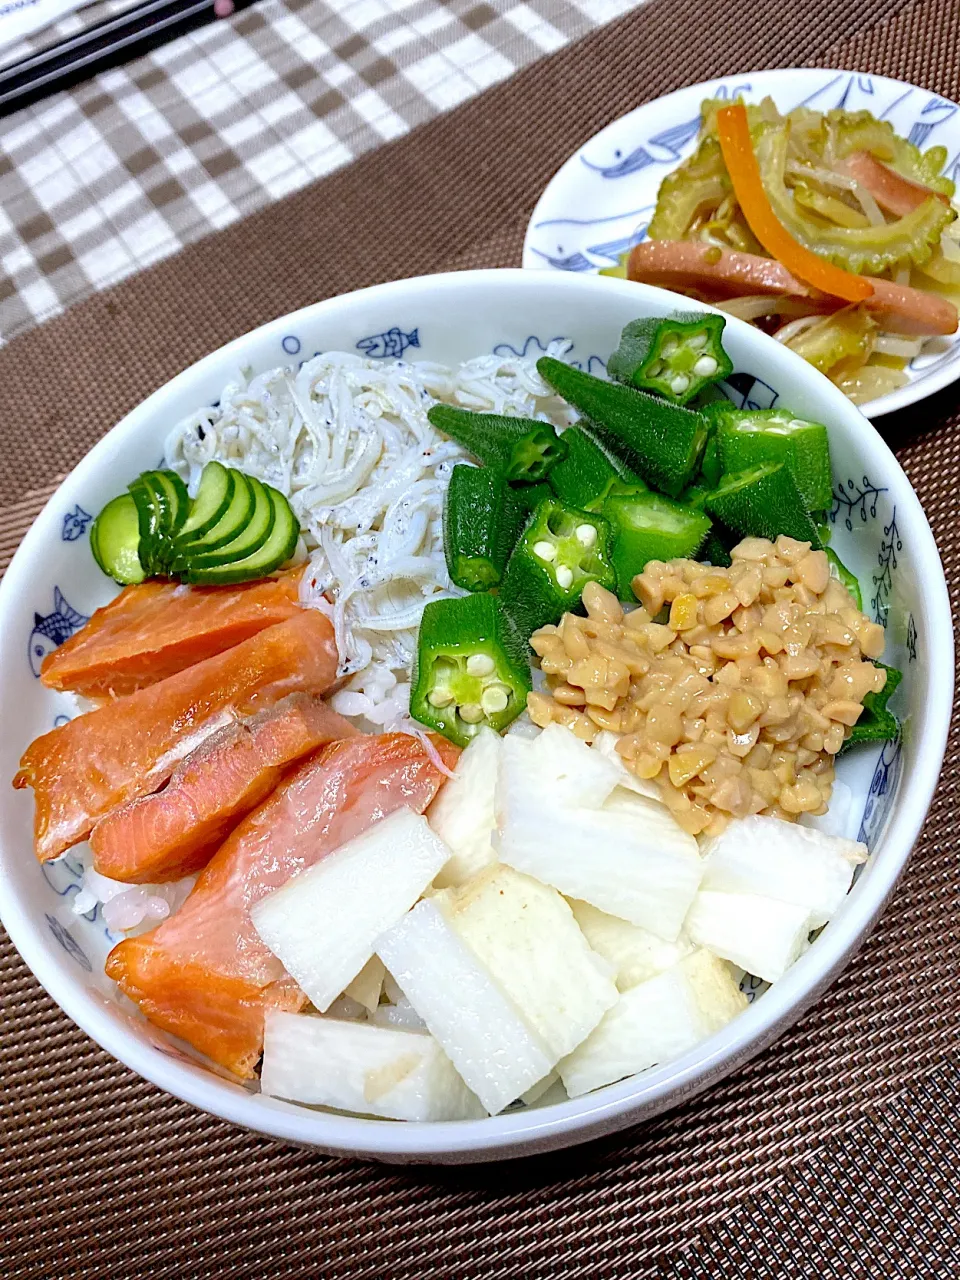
(83,770)
(204,974)
(155,629)
(174,832)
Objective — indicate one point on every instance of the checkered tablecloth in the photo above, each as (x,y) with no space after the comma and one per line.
(101,181)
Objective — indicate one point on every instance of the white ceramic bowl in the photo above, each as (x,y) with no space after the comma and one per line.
(880,531)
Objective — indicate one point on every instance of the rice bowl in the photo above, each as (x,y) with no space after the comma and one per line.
(496,311)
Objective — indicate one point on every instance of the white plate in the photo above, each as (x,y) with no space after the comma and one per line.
(599,203)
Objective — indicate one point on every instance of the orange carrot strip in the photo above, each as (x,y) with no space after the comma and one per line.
(733,130)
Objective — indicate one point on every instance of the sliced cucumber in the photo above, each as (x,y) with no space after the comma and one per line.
(150,519)
(176,506)
(217,483)
(171,494)
(230,525)
(277,550)
(162,505)
(250,538)
(115,540)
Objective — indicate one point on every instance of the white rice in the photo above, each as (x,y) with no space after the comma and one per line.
(127,908)
(348,441)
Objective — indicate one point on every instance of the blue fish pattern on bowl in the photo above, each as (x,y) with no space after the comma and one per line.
(75,524)
(51,629)
(882,790)
(389,345)
(69,943)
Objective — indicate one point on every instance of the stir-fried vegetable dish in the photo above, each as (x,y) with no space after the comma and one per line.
(826,229)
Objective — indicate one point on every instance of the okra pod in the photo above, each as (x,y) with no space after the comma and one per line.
(747,438)
(661,442)
(648,526)
(482,519)
(714,550)
(840,571)
(877,723)
(677,357)
(472,667)
(763,503)
(518,448)
(559,552)
(586,475)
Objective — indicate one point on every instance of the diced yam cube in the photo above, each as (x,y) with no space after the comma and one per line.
(367,985)
(492,1046)
(639,807)
(523,727)
(464,814)
(376,1071)
(556,768)
(839,818)
(322,925)
(645,872)
(654,1022)
(635,954)
(762,935)
(606,743)
(777,859)
(541,1087)
(402,1014)
(525,935)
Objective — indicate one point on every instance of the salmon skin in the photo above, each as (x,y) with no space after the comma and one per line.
(204,974)
(155,629)
(173,832)
(87,767)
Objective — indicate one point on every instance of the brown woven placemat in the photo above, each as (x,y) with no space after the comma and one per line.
(832,1154)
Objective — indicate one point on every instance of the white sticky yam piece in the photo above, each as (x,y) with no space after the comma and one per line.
(777,859)
(606,743)
(572,769)
(645,872)
(463,814)
(634,953)
(525,935)
(556,768)
(322,925)
(639,807)
(496,1052)
(540,1088)
(353,1066)
(762,935)
(655,1022)
(837,821)
(402,1014)
(367,985)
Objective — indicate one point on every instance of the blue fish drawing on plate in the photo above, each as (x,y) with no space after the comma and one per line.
(662,148)
(50,630)
(566,262)
(935,112)
(75,524)
(389,345)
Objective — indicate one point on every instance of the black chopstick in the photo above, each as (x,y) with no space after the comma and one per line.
(119,38)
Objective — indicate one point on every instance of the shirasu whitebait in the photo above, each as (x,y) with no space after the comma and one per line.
(348,441)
